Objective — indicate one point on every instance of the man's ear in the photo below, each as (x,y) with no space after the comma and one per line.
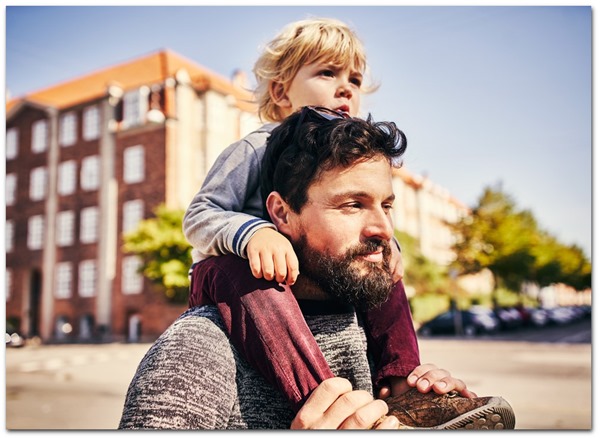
(279,95)
(279,211)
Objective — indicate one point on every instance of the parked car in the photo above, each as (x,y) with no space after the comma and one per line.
(509,318)
(474,321)
(12,337)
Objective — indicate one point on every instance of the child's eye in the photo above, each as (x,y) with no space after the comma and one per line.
(328,73)
(356,81)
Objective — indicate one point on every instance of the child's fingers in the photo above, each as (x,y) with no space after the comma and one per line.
(292,268)
(280,266)
(268,270)
(255,264)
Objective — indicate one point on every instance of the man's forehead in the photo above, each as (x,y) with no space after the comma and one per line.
(365,177)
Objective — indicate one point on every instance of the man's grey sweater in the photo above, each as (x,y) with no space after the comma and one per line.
(193,378)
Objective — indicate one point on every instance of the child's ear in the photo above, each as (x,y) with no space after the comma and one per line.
(279,211)
(279,95)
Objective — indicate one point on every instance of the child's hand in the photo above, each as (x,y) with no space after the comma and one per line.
(396,263)
(426,377)
(272,256)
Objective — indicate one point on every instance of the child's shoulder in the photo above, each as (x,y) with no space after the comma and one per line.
(258,137)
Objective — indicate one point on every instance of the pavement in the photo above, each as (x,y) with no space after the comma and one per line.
(82,387)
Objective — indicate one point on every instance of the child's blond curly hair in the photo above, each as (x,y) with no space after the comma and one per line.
(301,43)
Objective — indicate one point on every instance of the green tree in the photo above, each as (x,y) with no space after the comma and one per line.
(511,245)
(165,252)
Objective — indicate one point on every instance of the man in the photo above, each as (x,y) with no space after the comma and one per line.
(328,188)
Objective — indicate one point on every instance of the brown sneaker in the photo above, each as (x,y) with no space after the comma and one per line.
(430,410)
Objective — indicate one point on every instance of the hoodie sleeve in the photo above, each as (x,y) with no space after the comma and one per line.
(225,213)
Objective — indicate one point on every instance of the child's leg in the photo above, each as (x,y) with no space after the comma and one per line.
(392,337)
(265,325)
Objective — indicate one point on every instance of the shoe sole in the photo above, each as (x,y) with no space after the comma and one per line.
(495,415)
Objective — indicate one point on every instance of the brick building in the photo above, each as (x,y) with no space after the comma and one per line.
(87,159)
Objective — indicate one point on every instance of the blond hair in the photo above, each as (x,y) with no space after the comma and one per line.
(301,43)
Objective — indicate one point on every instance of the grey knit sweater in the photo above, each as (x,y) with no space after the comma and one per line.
(193,378)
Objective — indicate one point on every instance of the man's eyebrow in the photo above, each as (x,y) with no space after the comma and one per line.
(359,195)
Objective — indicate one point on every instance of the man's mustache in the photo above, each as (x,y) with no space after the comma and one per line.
(370,246)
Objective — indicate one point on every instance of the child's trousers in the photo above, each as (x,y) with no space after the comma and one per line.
(267,327)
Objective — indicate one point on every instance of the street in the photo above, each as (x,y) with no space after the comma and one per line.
(546,378)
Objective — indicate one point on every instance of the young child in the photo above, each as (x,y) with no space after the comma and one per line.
(318,62)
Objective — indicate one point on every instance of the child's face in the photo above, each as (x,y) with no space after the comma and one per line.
(321,84)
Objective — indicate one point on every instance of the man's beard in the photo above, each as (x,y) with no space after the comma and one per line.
(349,278)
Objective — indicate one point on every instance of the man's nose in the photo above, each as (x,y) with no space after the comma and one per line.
(379,224)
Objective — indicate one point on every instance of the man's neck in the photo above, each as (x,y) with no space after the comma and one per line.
(307,289)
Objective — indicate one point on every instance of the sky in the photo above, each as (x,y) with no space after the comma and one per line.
(487,96)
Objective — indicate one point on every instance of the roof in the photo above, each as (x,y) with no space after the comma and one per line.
(146,70)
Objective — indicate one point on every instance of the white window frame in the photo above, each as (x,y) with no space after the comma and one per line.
(90,173)
(64,280)
(132,281)
(67,177)
(88,232)
(87,278)
(10,190)
(12,143)
(39,136)
(9,235)
(35,232)
(91,123)
(133,213)
(134,164)
(65,228)
(38,183)
(67,131)
(135,107)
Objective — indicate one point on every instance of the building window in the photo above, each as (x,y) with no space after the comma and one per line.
(90,173)
(67,133)
(133,213)
(132,281)
(8,284)
(133,164)
(9,235)
(91,123)
(35,232)
(39,136)
(87,278)
(38,183)
(67,177)
(135,107)
(65,228)
(64,280)
(89,225)
(12,143)
(10,188)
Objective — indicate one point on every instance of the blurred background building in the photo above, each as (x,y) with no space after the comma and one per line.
(89,158)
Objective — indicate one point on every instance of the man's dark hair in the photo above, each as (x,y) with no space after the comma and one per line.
(306,144)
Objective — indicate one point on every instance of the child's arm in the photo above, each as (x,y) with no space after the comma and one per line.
(226,212)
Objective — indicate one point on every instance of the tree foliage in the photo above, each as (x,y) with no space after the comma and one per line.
(511,245)
(165,252)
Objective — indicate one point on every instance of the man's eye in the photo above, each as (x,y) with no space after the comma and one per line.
(388,207)
(352,206)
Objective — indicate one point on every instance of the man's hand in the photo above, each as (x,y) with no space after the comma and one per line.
(334,405)
(271,256)
(396,264)
(426,377)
